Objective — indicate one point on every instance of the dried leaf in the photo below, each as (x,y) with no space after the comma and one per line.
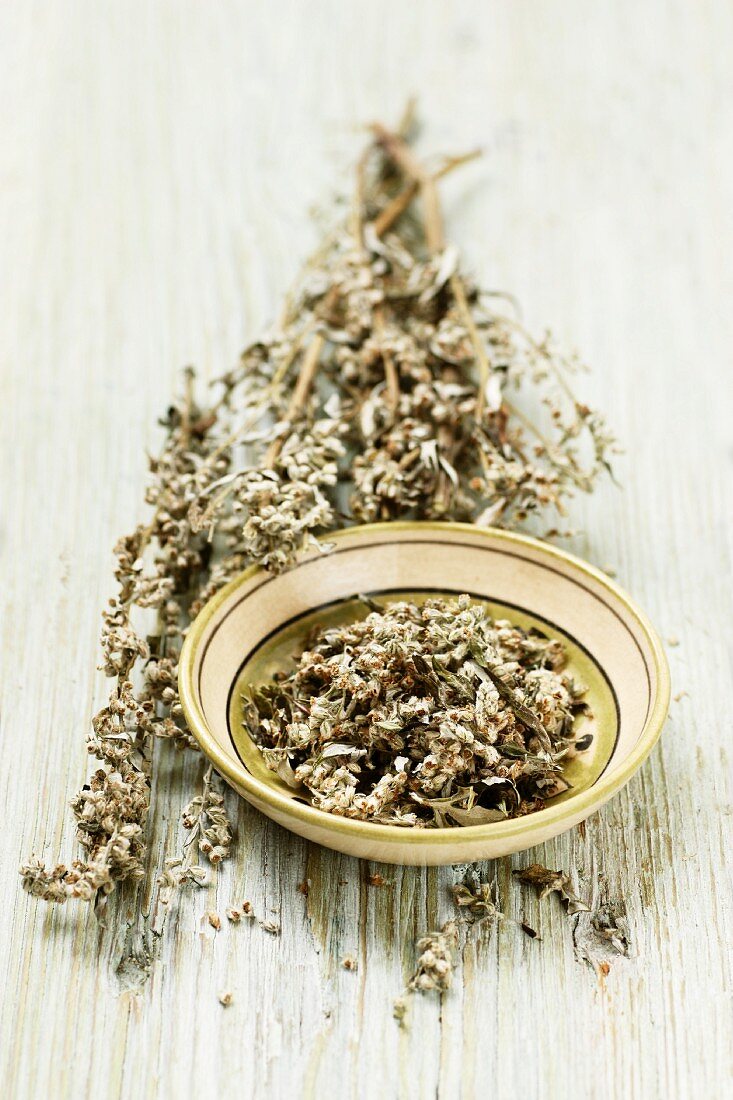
(546,881)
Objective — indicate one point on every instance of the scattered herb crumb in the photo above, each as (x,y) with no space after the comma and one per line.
(434,969)
(399,1010)
(610,925)
(681,695)
(270,926)
(214,919)
(304,887)
(377,880)
(349,962)
(225,999)
(236,912)
(547,882)
(476,901)
(673,641)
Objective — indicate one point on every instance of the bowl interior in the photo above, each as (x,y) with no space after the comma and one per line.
(257,623)
(277,651)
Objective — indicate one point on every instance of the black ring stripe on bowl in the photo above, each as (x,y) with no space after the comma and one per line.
(442,542)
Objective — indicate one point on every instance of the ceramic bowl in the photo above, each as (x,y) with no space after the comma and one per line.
(256,624)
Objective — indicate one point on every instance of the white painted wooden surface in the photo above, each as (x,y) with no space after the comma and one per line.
(157,162)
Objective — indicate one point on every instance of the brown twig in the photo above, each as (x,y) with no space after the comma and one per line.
(399,152)
(403,157)
(394,209)
(308,370)
(459,293)
(391,376)
(400,203)
(188,401)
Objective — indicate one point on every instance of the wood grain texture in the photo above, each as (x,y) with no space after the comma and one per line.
(157,162)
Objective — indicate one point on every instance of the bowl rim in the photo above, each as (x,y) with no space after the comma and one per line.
(584,803)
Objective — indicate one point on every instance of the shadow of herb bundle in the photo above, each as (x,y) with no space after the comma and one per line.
(386,391)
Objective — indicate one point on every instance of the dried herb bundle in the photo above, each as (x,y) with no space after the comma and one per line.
(421,715)
(383,392)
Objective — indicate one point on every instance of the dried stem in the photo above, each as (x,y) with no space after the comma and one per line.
(401,202)
(391,375)
(459,293)
(394,209)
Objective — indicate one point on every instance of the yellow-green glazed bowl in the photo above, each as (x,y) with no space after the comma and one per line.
(256,624)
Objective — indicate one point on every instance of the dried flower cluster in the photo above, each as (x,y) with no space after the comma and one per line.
(383,392)
(206,818)
(158,566)
(421,715)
